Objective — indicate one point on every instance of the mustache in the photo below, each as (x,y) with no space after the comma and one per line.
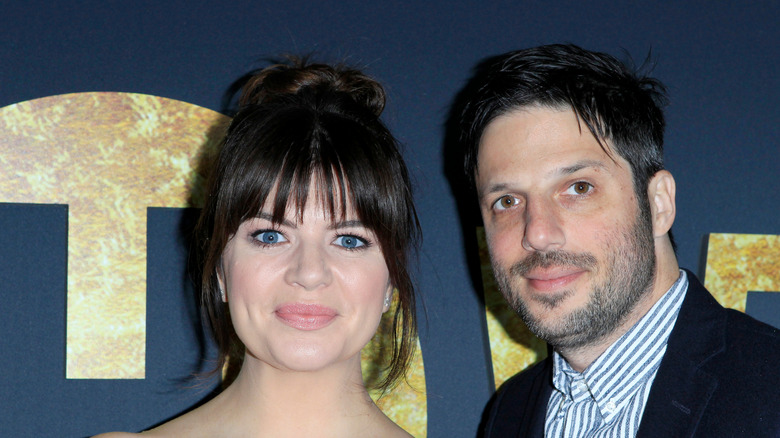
(547,259)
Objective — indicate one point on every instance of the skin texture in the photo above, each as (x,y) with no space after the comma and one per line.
(571,248)
(305,296)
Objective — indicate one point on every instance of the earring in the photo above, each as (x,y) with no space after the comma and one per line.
(222,293)
(389,298)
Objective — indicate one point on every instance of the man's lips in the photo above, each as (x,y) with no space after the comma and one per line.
(552,278)
(305,316)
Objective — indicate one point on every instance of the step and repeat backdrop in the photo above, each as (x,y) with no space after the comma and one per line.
(107,109)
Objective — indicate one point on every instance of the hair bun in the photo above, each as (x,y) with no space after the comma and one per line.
(286,79)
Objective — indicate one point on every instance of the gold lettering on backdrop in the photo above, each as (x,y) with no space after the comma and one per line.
(108,156)
(736,264)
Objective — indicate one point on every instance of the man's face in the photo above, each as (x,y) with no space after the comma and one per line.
(571,250)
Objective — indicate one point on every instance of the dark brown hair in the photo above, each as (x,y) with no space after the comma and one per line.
(300,124)
(615,102)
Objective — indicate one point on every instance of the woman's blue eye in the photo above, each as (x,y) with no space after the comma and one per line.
(350,242)
(270,237)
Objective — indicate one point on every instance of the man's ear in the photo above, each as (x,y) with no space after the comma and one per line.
(661,193)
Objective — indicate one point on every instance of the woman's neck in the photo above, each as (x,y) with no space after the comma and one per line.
(265,401)
(327,402)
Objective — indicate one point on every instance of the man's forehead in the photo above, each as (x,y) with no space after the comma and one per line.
(539,131)
(545,118)
(539,143)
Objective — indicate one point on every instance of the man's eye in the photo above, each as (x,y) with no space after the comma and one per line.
(505,202)
(579,188)
(350,242)
(269,237)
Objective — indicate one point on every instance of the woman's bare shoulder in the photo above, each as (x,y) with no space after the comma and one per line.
(117,435)
(145,434)
(165,430)
(395,433)
(192,424)
(388,429)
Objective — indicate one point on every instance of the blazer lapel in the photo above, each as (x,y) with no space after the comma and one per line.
(535,414)
(681,389)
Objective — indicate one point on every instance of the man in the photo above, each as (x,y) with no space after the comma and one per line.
(564,148)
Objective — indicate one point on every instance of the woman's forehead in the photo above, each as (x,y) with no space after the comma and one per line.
(316,198)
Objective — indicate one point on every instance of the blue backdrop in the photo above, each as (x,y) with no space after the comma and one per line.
(719,59)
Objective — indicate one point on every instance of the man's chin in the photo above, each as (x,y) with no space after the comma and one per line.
(559,336)
(549,301)
(532,302)
(550,320)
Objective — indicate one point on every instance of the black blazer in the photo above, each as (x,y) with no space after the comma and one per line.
(720,377)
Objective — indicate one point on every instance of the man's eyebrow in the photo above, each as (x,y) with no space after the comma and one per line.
(499,187)
(576,167)
(561,171)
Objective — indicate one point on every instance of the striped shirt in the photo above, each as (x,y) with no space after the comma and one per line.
(608,398)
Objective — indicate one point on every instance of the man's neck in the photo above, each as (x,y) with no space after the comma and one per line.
(580,358)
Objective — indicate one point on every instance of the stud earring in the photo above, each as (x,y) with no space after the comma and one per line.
(389,298)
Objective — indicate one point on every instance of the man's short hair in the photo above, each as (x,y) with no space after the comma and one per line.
(620,107)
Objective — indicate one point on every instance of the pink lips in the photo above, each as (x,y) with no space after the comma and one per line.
(305,316)
(551,279)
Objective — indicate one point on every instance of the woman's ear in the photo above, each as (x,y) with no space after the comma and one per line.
(663,208)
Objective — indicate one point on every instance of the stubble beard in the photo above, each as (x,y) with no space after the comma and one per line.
(629,273)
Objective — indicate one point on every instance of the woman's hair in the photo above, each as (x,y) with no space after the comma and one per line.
(300,124)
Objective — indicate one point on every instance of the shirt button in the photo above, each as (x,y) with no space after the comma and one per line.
(610,407)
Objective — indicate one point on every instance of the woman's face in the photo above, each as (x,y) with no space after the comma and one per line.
(306,294)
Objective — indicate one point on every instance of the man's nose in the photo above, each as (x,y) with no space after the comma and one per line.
(543,229)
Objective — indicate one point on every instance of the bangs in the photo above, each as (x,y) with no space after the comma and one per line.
(338,155)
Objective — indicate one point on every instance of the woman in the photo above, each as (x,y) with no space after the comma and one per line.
(304,240)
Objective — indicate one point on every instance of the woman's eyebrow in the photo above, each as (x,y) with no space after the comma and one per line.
(270,218)
(346,224)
